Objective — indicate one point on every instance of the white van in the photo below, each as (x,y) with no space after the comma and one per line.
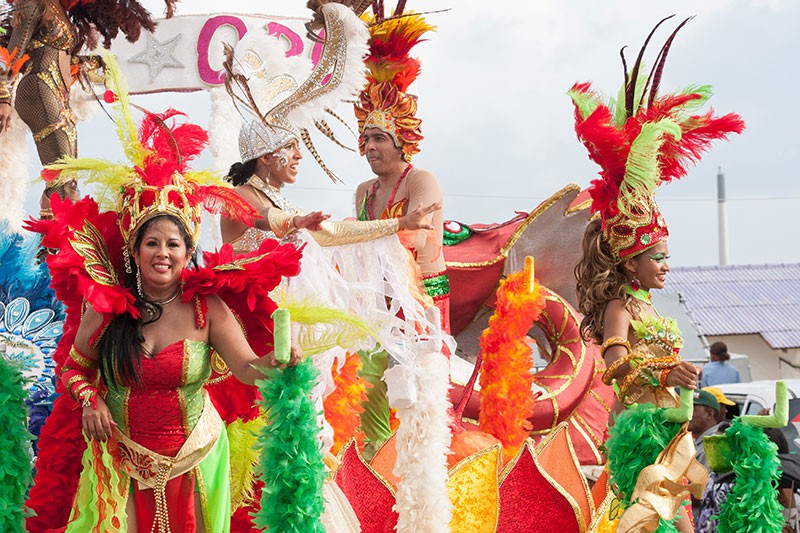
(752,397)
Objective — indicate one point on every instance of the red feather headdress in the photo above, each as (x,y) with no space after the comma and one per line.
(156,180)
(640,142)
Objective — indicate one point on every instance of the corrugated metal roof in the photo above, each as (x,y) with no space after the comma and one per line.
(743,299)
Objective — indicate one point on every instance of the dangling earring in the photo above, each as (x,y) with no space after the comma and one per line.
(635,283)
(127,256)
(139,282)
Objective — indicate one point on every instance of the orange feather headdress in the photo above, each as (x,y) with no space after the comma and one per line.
(384,103)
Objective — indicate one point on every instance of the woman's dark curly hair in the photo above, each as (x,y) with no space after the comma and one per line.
(599,280)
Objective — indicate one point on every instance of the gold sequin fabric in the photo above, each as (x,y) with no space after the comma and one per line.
(42,97)
(474,492)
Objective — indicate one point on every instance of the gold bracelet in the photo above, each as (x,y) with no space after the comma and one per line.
(614,341)
(608,375)
(89,398)
(78,357)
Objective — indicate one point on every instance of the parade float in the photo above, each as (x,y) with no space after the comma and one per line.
(511,457)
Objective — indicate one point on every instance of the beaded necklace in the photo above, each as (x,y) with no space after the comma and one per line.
(390,202)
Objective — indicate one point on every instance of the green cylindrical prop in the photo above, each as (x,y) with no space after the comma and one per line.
(282,330)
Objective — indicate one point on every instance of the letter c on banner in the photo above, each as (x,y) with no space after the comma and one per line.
(208,74)
(295,42)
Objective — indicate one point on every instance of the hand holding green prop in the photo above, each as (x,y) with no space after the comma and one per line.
(282,332)
(684,411)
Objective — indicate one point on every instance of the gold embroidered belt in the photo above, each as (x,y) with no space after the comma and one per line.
(153,470)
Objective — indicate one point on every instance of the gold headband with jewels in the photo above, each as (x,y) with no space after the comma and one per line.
(140,202)
(637,229)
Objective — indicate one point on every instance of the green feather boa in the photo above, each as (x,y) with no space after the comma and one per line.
(291,465)
(752,504)
(637,437)
(15,465)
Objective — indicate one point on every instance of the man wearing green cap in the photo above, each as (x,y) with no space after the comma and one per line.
(704,421)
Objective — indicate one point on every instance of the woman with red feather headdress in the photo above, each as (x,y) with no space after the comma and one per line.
(641,141)
(144,335)
(51,33)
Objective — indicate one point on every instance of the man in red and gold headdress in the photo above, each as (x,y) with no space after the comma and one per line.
(389,135)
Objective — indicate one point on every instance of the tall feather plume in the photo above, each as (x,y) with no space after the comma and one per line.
(638,147)
(391,42)
(633,79)
(331,81)
(258,84)
(658,68)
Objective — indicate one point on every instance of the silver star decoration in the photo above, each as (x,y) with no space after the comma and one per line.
(158,55)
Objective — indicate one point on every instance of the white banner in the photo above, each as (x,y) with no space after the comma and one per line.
(186,53)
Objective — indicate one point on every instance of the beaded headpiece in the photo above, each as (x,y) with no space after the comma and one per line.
(261,79)
(156,181)
(257,139)
(641,141)
(384,103)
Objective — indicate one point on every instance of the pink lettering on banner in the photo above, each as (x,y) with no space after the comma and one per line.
(208,74)
(295,42)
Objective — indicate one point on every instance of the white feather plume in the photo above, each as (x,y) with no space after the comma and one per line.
(273,78)
(355,73)
(14,172)
(423,442)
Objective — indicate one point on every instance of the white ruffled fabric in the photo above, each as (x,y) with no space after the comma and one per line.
(372,280)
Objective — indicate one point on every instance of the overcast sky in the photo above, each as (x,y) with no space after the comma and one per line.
(498,125)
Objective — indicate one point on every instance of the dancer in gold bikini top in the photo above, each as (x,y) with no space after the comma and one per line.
(51,33)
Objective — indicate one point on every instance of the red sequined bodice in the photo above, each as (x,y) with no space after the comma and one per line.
(161,412)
